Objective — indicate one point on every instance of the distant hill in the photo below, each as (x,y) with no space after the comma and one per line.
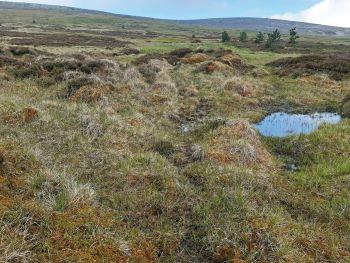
(244,23)
(266,24)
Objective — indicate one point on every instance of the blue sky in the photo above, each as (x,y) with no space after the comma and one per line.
(187,9)
(332,12)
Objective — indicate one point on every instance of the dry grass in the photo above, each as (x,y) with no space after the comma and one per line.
(239,86)
(143,158)
(16,245)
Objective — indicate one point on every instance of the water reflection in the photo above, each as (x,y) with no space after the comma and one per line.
(282,124)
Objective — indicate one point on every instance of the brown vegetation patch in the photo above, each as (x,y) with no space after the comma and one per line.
(227,253)
(155,71)
(130,51)
(235,61)
(9,61)
(181,52)
(25,116)
(124,33)
(28,115)
(194,109)
(214,66)
(195,59)
(58,40)
(337,67)
(90,94)
(14,162)
(238,86)
(189,91)
(195,41)
(173,60)
(164,147)
(4,76)
(218,52)
(20,51)
(302,47)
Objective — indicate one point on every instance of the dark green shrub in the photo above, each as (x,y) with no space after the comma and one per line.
(164,148)
(243,36)
(293,36)
(30,71)
(76,83)
(272,38)
(181,52)
(20,51)
(259,38)
(225,37)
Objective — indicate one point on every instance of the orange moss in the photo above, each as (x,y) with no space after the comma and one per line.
(135,123)
(318,250)
(144,251)
(6,201)
(110,253)
(90,94)
(214,66)
(157,99)
(221,157)
(79,216)
(29,114)
(227,253)
(195,59)
(25,116)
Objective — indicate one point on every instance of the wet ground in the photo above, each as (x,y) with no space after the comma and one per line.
(282,124)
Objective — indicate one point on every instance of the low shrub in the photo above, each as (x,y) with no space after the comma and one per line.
(164,147)
(181,52)
(130,51)
(336,66)
(20,51)
(345,107)
(27,71)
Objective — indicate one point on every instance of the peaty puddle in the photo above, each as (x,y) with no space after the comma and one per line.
(282,124)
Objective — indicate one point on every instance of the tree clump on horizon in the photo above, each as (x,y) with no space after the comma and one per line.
(293,36)
(225,37)
(243,36)
(273,37)
(259,38)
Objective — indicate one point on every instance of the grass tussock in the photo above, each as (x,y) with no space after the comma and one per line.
(345,107)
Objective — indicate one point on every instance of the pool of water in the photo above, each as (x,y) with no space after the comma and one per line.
(282,124)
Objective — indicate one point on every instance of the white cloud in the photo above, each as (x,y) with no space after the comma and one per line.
(327,12)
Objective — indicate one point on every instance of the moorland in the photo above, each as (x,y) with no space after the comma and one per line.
(133,140)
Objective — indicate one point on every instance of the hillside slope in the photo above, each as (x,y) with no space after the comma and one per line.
(266,24)
(244,23)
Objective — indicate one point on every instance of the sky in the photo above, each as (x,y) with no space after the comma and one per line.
(328,12)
